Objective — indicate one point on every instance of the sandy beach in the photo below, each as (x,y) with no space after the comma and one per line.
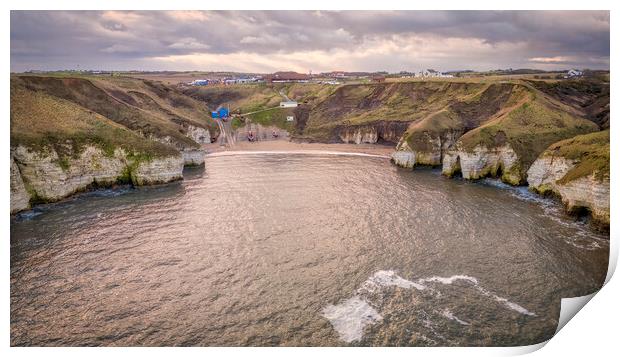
(286,145)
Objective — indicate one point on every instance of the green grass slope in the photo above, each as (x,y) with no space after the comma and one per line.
(240,98)
(143,106)
(431,104)
(589,151)
(462,113)
(41,121)
(590,96)
(529,125)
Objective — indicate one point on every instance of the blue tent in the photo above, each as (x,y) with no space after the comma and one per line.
(215,115)
(223,112)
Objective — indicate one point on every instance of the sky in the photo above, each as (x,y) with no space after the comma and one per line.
(303,41)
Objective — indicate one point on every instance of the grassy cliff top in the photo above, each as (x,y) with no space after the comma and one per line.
(358,104)
(589,96)
(589,151)
(150,108)
(529,126)
(39,121)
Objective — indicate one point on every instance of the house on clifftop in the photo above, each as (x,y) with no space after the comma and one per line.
(283,77)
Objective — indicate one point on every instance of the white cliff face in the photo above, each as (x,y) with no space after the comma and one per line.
(43,174)
(361,135)
(193,157)
(388,131)
(451,163)
(546,170)
(588,192)
(404,158)
(439,146)
(482,162)
(48,178)
(160,170)
(20,199)
(199,135)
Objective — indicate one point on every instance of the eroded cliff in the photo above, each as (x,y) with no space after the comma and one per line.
(48,177)
(502,140)
(71,134)
(577,171)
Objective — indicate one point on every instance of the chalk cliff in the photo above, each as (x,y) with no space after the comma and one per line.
(44,176)
(376,132)
(62,142)
(198,134)
(576,170)
(482,161)
(20,199)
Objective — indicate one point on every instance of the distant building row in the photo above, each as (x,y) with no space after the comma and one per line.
(431,73)
(241,80)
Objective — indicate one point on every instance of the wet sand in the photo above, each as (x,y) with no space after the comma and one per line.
(286,145)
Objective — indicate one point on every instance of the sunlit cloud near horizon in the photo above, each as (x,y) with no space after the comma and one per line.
(268,41)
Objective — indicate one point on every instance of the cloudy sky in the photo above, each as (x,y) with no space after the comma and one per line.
(256,41)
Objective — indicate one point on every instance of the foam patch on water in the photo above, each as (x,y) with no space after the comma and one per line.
(449,315)
(451,279)
(509,304)
(385,278)
(350,317)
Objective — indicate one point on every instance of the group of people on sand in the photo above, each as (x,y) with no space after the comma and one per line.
(252,137)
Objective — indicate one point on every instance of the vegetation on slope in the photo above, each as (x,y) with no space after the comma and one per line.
(529,126)
(309,93)
(590,96)
(430,104)
(145,107)
(276,117)
(261,100)
(240,98)
(41,121)
(590,152)
(462,114)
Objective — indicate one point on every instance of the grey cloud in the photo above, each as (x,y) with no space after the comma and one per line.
(94,39)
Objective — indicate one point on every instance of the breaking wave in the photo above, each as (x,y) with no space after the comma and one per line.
(351,316)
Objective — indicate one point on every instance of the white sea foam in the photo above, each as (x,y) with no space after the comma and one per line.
(385,278)
(450,280)
(350,317)
(448,314)
(511,305)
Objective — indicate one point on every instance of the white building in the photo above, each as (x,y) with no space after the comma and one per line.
(288,104)
(430,73)
(573,73)
(199,82)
